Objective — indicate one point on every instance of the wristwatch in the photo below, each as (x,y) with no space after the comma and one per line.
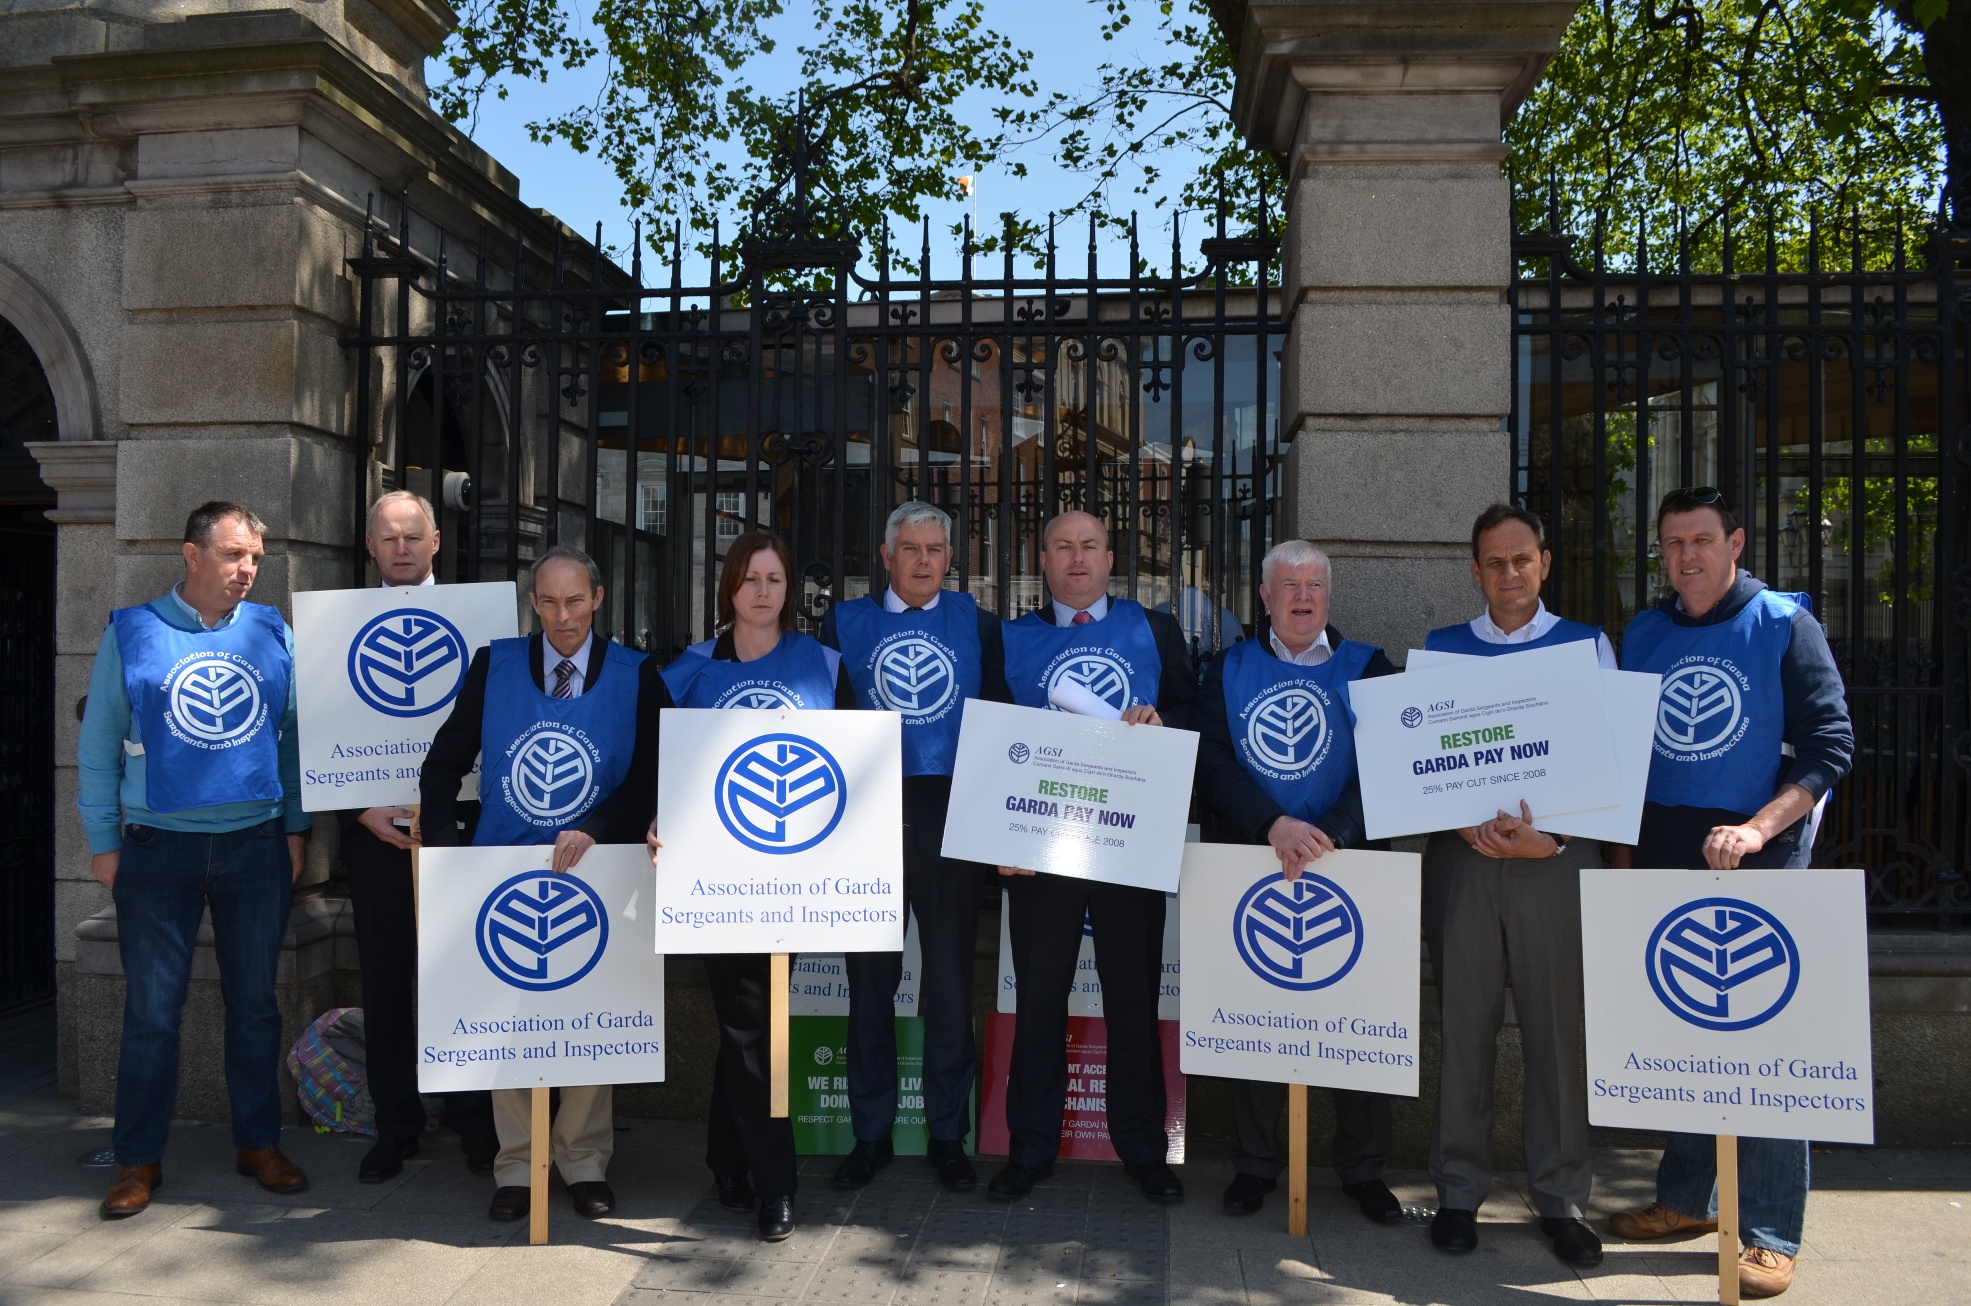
(1560,844)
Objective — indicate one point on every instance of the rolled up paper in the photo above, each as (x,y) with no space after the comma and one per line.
(1073,696)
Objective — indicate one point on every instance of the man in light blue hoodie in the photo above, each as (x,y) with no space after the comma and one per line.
(191,797)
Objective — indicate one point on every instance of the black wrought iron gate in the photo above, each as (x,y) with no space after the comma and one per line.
(1826,394)
(811,388)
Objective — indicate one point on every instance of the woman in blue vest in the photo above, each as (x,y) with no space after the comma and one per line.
(1752,731)
(757,660)
(1276,765)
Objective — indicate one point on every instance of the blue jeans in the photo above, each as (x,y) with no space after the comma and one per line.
(164,882)
(1772,1186)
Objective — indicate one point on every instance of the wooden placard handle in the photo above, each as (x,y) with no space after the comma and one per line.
(416,808)
(777,1035)
(540,1149)
(1728,1219)
(1297,1159)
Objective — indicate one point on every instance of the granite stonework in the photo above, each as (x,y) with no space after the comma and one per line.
(181,188)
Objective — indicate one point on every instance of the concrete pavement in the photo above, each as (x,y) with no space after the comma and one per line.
(1883,1226)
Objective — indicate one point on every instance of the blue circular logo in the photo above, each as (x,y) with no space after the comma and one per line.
(1287,729)
(1722,964)
(915,676)
(780,794)
(551,775)
(1413,717)
(1302,934)
(1698,708)
(541,931)
(407,663)
(1019,753)
(1101,674)
(215,700)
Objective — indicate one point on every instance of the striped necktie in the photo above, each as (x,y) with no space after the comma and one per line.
(563,674)
(1082,618)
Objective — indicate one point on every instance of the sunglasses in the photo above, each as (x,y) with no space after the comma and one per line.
(1702,496)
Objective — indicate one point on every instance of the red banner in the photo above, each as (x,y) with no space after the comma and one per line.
(1085,1123)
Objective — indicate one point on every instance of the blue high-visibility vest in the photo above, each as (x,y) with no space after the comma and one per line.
(800,673)
(208,704)
(545,762)
(1462,639)
(923,663)
(1292,726)
(1114,658)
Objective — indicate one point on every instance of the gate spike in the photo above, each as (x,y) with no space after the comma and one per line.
(636,260)
(404,220)
(369,228)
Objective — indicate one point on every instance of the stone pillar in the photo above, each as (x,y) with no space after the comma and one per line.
(1395,383)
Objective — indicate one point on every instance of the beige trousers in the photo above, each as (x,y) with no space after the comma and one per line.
(582,1134)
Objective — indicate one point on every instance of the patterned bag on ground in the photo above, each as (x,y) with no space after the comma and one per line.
(327,1063)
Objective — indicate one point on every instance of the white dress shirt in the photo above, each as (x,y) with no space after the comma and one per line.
(551,658)
(1543,621)
(430,578)
(1064,615)
(1311,656)
(891,603)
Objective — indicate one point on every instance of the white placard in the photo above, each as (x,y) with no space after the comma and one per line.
(529,979)
(1729,1002)
(1313,981)
(375,674)
(818,982)
(1085,994)
(1070,795)
(782,831)
(1630,698)
(1437,749)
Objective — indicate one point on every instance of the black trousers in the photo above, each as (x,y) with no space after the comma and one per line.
(1365,1131)
(741,1138)
(386,948)
(944,894)
(1045,920)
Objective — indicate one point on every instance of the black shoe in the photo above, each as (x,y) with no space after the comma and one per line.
(591,1198)
(1016,1180)
(776,1219)
(1158,1182)
(480,1147)
(510,1204)
(1454,1231)
(862,1163)
(1574,1241)
(1246,1194)
(735,1193)
(954,1168)
(1376,1201)
(385,1159)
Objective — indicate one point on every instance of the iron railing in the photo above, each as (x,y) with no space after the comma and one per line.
(1828,402)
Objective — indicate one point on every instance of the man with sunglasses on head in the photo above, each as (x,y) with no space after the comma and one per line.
(1734,795)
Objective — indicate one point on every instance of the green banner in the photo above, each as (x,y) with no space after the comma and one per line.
(818,1086)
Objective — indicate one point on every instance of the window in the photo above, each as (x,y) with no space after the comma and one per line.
(731,506)
(652,508)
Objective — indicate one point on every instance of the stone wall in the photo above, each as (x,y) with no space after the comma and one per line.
(181,187)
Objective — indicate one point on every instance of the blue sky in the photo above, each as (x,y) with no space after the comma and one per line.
(1064,38)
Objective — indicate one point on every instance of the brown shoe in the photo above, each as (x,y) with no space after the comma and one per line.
(1763,1272)
(1657,1221)
(132,1191)
(275,1172)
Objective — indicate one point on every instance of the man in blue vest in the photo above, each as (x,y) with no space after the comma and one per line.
(1295,789)
(402,540)
(1504,899)
(919,650)
(565,725)
(1135,660)
(1733,777)
(191,799)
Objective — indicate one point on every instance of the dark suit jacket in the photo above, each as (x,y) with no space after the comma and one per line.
(992,653)
(1177,687)
(1235,808)
(621,817)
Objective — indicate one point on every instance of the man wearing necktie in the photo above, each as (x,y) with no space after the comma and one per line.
(1136,661)
(526,706)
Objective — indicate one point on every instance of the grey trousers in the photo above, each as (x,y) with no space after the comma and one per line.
(1365,1132)
(1489,921)
(581,1134)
